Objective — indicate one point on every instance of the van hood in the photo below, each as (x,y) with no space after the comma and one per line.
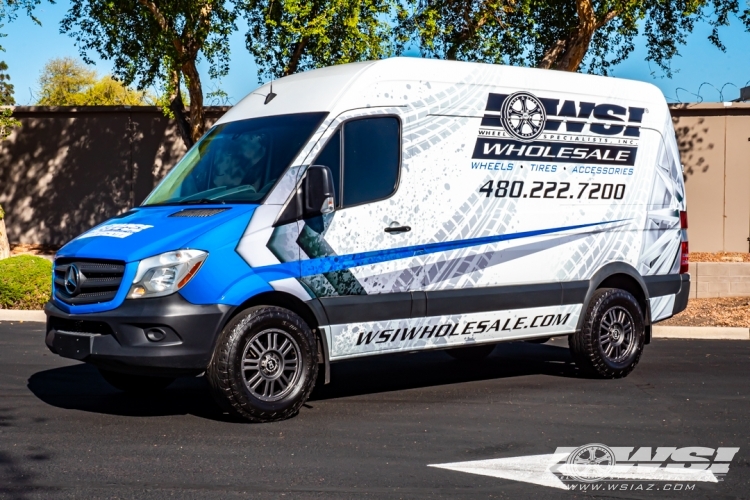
(147,231)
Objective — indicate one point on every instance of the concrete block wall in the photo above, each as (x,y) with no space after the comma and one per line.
(719,279)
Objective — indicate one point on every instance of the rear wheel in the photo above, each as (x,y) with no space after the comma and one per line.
(135,384)
(472,353)
(611,340)
(264,366)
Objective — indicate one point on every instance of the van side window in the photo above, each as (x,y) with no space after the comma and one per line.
(371,159)
(331,158)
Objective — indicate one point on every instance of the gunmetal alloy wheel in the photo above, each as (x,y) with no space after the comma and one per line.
(265,364)
(610,341)
(271,364)
(616,334)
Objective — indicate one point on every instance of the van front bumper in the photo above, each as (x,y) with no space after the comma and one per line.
(160,336)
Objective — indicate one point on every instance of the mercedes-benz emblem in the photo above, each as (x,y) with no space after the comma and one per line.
(591,462)
(72,280)
(523,116)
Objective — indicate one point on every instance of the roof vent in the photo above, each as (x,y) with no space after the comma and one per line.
(199,212)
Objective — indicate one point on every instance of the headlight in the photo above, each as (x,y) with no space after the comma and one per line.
(166,273)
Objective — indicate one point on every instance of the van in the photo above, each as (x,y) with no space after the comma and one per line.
(383,207)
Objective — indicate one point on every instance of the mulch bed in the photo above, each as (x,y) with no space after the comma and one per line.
(719,257)
(723,311)
(29,249)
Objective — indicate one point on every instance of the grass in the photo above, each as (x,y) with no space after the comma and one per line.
(25,282)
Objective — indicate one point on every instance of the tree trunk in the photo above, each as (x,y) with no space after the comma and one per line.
(291,68)
(177,107)
(197,113)
(4,245)
(568,54)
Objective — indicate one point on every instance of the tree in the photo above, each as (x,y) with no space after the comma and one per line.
(288,36)
(158,41)
(67,82)
(7,122)
(567,35)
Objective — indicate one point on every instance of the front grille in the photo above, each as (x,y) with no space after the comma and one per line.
(98,280)
(78,326)
(199,212)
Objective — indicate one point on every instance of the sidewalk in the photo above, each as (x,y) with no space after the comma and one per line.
(660,332)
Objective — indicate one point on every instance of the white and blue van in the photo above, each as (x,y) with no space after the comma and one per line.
(382,207)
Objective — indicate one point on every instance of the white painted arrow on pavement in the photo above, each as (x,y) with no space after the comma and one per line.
(533,469)
(539,469)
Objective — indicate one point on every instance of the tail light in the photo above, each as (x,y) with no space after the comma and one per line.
(684,248)
(684,258)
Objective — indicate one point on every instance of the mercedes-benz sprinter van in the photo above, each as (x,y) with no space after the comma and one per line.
(381,207)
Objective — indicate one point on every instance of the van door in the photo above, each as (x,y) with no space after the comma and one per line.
(367,243)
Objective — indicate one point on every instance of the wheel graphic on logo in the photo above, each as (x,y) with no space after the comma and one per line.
(590,463)
(523,116)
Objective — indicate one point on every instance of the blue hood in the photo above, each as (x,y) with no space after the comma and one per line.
(148,231)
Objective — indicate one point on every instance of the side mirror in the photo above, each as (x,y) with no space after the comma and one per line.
(318,191)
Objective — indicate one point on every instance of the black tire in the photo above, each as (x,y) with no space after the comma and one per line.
(472,353)
(135,384)
(611,340)
(263,344)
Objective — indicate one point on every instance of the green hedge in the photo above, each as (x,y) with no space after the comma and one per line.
(25,282)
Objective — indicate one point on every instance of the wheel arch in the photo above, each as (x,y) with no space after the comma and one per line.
(625,277)
(311,312)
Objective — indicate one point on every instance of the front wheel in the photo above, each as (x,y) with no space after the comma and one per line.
(611,340)
(264,366)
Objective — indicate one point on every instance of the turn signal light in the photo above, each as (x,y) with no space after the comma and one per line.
(189,275)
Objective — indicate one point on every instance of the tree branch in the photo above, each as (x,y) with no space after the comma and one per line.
(151,6)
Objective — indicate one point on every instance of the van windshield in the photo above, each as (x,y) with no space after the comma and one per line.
(236,162)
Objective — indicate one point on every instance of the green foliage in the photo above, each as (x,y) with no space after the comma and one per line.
(7,122)
(289,36)
(157,42)
(67,82)
(589,35)
(25,282)
(2,213)
(6,88)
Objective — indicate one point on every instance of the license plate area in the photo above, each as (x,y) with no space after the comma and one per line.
(72,344)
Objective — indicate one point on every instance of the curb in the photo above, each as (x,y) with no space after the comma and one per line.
(19,315)
(701,332)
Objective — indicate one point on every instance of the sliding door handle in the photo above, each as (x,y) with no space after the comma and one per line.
(396,228)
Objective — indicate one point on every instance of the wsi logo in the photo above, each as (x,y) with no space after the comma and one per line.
(586,467)
(115,230)
(525,116)
(524,127)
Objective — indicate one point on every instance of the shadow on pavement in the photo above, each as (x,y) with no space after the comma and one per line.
(397,372)
(80,387)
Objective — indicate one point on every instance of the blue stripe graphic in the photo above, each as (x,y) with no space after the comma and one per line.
(332,263)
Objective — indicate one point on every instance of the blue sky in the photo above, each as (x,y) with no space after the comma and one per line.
(701,69)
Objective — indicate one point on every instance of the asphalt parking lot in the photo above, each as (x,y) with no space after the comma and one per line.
(371,433)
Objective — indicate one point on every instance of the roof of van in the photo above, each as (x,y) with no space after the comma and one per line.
(366,84)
